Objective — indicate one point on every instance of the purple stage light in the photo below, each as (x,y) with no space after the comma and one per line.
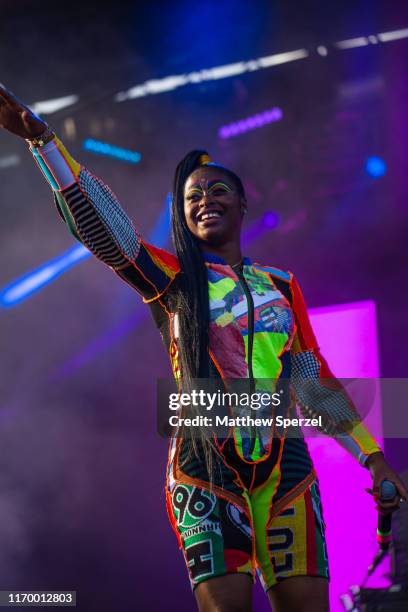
(270,219)
(250,123)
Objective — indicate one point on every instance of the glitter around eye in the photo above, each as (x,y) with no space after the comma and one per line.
(203,189)
(194,192)
(221,187)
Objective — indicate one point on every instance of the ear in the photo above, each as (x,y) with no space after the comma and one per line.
(244,207)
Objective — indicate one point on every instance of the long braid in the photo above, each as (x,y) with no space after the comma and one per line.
(191,301)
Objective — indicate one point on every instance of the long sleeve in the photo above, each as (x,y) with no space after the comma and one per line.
(95,218)
(317,390)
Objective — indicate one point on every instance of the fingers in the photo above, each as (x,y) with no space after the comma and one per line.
(33,124)
(27,118)
(385,507)
(390,503)
(7,96)
(402,491)
(2,90)
(388,508)
(375,492)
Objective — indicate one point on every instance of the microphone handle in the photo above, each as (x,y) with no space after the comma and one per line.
(384,534)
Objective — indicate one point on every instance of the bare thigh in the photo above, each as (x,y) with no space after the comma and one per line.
(300,594)
(230,593)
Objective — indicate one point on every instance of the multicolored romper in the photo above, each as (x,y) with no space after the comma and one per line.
(263,511)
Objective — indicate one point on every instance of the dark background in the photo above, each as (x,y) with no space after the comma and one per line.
(82,468)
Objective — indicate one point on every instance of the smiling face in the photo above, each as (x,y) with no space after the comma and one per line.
(213,206)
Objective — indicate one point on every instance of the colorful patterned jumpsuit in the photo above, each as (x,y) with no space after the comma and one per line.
(262,512)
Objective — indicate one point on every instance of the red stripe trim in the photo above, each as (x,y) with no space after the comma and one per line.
(172,519)
(306,335)
(167,259)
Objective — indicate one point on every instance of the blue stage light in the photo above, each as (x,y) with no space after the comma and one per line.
(375,166)
(108,150)
(160,232)
(24,286)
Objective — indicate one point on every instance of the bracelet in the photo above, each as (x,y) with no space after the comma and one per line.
(42,139)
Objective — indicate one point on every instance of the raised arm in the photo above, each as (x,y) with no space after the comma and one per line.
(319,393)
(90,209)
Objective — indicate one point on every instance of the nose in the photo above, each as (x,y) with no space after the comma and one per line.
(205,199)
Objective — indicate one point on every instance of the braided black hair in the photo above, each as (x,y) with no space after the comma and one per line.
(191,298)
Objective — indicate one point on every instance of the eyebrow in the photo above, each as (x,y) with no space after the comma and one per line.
(211,184)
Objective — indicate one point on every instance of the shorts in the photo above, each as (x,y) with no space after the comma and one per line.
(254,529)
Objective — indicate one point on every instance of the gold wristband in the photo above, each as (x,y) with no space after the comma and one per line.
(42,139)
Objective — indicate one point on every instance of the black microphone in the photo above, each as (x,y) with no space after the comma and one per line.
(384,534)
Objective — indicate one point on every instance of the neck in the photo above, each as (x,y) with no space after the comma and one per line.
(230,252)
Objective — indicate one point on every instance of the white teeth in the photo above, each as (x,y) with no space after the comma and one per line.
(209,215)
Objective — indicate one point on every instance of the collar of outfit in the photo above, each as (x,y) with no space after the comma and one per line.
(210,258)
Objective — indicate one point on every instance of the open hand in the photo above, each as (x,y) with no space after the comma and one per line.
(18,118)
(380,471)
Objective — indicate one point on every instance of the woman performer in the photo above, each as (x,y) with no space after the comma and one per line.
(246,501)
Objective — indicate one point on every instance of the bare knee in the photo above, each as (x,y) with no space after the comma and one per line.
(300,594)
(227,603)
(231,593)
(225,606)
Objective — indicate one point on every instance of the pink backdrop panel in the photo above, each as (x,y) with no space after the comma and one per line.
(347,335)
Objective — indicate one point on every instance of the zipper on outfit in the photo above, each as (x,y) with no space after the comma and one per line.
(251,317)
(250,304)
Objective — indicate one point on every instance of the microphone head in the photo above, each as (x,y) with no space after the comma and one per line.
(387,490)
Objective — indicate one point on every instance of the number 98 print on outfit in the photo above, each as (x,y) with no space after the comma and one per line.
(219,537)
